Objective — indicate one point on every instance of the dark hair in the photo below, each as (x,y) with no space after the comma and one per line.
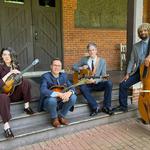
(91,44)
(54,60)
(13,56)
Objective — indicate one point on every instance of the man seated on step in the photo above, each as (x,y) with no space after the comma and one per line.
(53,98)
(138,56)
(97,66)
(9,67)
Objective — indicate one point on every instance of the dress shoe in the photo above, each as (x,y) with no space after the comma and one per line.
(95,111)
(28,111)
(142,121)
(120,109)
(107,111)
(8,133)
(55,123)
(63,121)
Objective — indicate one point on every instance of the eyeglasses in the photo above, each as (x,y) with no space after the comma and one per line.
(56,65)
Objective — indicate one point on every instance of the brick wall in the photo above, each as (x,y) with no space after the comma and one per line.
(146,11)
(76,39)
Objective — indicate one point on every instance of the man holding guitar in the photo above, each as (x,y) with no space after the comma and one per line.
(98,68)
(54,98)
(9,67)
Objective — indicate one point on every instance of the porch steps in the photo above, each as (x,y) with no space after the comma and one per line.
(30,129)
(37,127)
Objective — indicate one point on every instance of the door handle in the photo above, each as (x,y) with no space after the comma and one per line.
(36,35)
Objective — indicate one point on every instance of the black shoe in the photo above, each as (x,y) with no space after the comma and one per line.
(28,111)
(120,109)
(95,112)
(142,121)
(107,111)
(8,133)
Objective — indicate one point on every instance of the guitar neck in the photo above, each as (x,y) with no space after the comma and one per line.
(97,77)
(31,65)
(26,69)
(72,86)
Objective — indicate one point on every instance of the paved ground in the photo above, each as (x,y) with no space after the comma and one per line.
(124,135)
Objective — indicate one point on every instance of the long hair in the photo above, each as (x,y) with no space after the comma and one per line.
(13,57)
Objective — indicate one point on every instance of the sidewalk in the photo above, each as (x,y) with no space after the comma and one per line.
(123,135)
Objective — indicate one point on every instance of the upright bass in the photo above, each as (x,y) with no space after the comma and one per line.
(144,97)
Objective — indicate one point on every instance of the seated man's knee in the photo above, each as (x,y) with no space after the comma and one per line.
(52,101)
(122,85)
(82,87)
(73,99)
(109,83)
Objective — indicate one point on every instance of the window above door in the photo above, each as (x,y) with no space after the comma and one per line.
(14,1)
(47,3)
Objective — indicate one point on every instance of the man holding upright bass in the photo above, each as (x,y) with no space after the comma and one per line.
(139,55)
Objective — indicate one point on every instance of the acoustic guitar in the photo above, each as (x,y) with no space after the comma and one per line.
(86,73)
(61,88)
(15,79)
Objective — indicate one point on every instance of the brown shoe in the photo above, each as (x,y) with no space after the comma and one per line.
(55,123)
(63,121)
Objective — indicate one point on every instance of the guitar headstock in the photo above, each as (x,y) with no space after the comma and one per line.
(35,61)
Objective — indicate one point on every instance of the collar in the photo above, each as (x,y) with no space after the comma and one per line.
(55,76)
(145,41)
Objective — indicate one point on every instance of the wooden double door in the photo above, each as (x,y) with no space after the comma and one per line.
(33,29)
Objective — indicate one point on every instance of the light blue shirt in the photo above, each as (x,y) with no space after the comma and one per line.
(89,62)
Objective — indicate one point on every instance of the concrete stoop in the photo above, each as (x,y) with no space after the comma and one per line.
(35,128)
(31,129)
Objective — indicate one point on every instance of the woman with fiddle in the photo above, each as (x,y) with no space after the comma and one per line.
(9,67)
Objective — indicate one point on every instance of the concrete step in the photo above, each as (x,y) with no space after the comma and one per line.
(25,120)
(43,131)
(17,107)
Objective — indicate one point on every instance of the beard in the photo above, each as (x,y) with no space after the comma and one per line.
(143,37)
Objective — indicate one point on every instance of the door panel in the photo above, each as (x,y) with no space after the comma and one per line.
(47,34)
(16,30)
(32,30)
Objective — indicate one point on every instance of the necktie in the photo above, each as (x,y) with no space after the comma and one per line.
(92,65)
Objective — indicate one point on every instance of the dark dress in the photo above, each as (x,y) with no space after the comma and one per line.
(21,92)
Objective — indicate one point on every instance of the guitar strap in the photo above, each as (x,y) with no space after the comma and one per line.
(95,67)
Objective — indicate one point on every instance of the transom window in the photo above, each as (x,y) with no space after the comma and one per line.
(14,1)
(47,3)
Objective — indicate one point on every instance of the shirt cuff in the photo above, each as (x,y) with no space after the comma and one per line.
(71,91)
(54,94)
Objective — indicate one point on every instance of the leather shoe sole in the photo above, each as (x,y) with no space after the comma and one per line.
(55,123)
(107,111)
(95,112)
(28,111)
(63,121)
(8,133)
(120,109)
